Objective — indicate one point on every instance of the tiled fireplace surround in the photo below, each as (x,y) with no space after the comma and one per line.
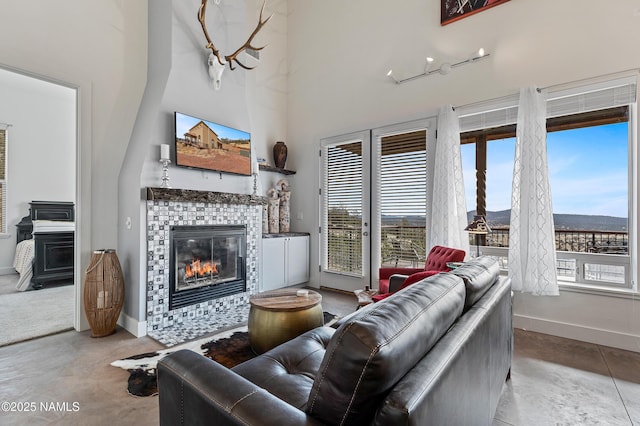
(167,207)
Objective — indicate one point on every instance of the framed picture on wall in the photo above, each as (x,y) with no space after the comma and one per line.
(453,10)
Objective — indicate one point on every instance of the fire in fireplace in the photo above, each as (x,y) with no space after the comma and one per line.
(207,262)
(207,271)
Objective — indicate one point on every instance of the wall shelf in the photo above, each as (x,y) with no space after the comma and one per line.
(276,169)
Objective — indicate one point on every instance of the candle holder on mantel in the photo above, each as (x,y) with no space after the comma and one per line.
(254,174)
(165,173)
(164,159)
(255,184)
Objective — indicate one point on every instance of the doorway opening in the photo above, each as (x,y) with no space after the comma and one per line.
(39,119)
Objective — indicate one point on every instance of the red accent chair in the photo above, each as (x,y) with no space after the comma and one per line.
(436,262)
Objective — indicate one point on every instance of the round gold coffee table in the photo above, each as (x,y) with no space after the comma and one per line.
(280,315)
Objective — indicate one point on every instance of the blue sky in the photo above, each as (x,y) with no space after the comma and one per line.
(185,122)
(587,168)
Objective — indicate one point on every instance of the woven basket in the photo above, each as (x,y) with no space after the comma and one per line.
(103,292)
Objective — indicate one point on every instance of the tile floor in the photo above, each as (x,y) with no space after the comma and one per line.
(554,381)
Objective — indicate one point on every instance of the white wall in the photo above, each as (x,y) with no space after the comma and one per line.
(254,101)
(42,148)
(339,53)
(100,48)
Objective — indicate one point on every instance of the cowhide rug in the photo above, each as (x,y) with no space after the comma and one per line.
(228,348)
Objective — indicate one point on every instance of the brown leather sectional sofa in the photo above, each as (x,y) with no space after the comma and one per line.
(435,353)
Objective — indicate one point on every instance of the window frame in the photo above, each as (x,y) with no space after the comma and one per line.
(501,124)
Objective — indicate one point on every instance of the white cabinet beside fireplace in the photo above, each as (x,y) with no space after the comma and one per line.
(285,261)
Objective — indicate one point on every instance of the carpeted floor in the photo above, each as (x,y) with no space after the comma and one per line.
(30,314)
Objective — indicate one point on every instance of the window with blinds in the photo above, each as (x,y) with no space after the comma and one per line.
(402,197)
(3,180)
(342,221)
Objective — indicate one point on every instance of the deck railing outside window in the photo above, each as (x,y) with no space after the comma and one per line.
(592,257)
(581,241)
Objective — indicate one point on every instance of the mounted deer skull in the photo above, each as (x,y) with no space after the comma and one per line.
(215,71)
(215,61)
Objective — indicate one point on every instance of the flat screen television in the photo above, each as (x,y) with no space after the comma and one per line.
(202,144)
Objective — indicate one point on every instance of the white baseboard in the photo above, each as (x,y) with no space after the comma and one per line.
(133,326)
(597,336)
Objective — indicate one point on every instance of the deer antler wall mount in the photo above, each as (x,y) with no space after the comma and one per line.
(216,60)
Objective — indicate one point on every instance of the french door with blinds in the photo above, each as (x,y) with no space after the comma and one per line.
(345,211)
(373,208)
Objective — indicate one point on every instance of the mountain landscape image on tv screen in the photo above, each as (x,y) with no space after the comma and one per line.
(206,145)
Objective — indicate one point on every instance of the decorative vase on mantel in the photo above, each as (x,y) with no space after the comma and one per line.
(280,154)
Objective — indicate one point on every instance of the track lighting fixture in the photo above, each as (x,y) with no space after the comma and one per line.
(444,68)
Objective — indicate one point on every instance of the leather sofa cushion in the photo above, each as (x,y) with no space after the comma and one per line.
(478,275)
(375,348)
(288,370)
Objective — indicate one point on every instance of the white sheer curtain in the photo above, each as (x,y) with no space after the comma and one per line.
(447,204)
(532,252)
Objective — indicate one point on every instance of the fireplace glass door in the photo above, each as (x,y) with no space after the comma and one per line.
(207,262)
